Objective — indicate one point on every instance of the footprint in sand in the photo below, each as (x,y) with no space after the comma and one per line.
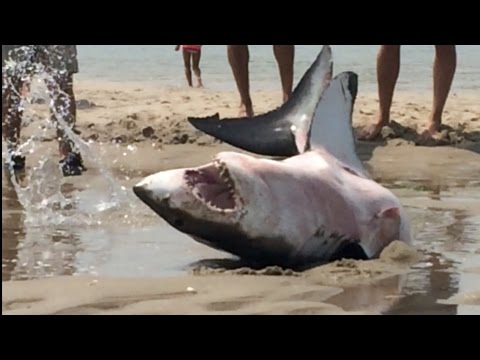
(119,303)
(20,304)
(231,305)
(314,310)
(315,295)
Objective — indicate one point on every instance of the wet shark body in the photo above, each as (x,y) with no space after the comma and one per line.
(319,205)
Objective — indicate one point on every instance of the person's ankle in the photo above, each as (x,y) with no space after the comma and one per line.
(383,120)
(246,110)
(434,124)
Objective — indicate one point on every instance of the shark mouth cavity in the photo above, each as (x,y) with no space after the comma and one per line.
(213,186)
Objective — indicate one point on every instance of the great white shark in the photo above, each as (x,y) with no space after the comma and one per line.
(318,204)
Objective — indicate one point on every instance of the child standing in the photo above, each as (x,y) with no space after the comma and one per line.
(191,59)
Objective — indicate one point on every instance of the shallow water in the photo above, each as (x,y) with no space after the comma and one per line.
(161,65)
(95,235)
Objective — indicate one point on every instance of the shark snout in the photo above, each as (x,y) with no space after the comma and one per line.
(158,201)
(162,190)
(142,191)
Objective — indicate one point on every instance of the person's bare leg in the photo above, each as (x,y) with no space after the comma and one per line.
(26,88)
(61,89)
(11,112)
(285,56)
(196,67)
(188,71)
(444,69)
(388,69)
(238,57)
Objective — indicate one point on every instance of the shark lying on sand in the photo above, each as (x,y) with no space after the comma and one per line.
(317,205)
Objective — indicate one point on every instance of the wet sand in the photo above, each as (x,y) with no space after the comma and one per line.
(125,260)
(226,293)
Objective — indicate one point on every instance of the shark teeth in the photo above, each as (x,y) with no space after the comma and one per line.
(214,186)
(225,176)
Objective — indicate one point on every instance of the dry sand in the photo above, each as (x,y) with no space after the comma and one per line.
(131,114)
(148,116)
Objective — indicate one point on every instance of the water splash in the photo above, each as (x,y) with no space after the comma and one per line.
(42,198)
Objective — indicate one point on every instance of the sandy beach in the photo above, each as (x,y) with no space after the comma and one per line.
(112,118)
(132,114)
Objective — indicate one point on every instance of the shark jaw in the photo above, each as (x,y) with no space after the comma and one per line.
(214,187)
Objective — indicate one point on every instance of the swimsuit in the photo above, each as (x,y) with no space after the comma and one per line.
(192,48)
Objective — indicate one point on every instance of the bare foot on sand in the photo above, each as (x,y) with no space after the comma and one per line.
(246,110)
(432,129)
(372,132)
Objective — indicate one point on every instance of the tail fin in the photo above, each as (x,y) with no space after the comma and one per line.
(281,132)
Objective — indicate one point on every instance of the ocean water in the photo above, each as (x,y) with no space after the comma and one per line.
(160,65)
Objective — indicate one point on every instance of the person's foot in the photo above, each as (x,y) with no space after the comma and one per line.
(72,165)
(372,132)
(15,162)
(432,129)
(246,111)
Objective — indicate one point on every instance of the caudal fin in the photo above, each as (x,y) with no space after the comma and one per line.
(283,131)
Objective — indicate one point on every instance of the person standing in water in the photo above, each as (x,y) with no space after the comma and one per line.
(191,58)
(18,66)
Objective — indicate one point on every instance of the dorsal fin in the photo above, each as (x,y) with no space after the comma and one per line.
(332,127)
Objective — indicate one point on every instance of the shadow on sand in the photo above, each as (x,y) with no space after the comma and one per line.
(399,135)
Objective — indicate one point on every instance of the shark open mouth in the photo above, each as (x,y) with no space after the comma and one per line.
(213,186)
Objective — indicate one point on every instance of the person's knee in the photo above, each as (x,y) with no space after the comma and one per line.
(288,50)
(446,51)
(237,47)
(238,52)
(390,50)
(391,47)
(68,90)
(65,84)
